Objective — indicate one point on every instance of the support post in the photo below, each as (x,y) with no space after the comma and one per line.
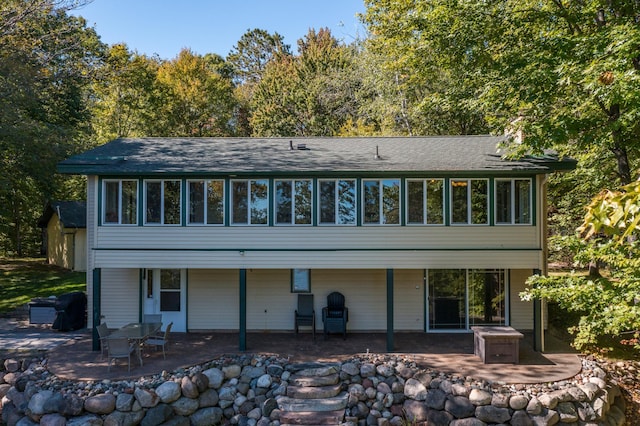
(95,343)
(390,345)
(242,344)
(538,323)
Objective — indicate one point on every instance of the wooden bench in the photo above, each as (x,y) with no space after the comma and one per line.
(497,345)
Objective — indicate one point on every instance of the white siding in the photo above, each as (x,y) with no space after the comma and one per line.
(521,311)
(318,237)
(408,300)
(92,224)
(120,296)
(270,303)
(335,259)
(365,296)
(213,299)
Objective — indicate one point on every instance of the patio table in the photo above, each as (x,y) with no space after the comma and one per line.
(137,332)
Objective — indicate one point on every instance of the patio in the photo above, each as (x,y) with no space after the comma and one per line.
(450,353)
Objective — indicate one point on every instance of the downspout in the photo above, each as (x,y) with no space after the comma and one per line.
(539,319)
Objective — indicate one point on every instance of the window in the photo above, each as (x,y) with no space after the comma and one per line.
(425,202)
(337,202)
(381,201)
(162,202)
(170,290)
(300,280)
(513,201)
(469,201)
(293,202)
(250,202)
(487,297)
(206,202)
(120,202)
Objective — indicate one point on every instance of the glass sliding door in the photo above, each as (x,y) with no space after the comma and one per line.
(447,307)
(461,298)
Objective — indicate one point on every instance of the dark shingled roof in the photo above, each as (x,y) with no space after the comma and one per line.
(244,156)
(72,214)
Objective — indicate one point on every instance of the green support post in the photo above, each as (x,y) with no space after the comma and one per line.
(242,344)
(390,345)
(95,344)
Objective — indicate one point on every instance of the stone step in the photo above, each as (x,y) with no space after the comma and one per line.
(330,379)
(313,392)
(310,418)
(314,369)
(334,403)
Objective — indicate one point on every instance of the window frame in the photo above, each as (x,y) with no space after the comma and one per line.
(162,202)
(425,200)
(231,199)
(205,205)
(293,182)
(301,280)
(380,203)
(512,205)
(103,214)
(336,210)
(469,214)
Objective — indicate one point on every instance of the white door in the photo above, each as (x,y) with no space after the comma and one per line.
(166,295)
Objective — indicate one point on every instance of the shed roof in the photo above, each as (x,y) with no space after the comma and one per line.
(318,155)
(72,214)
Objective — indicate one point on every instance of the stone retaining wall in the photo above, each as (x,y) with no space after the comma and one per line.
(243,390)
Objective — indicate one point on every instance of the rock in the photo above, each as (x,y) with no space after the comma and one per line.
(414,389)
(100,404)
(368,370)
(157,415)
(73,405)
(567,412)
(459,406)
(118,418)
(471,421)
(521,418)
(11,365)
(188,388)
(548,418)
(415,411)
(268,406)
(208,398)
(534,407)
(53,419)
(185,406)
(215,376)
(437,417)
(231,371)
(209,416)
(124,402)
(168,392)
(146,398)
(264,381)
(491,414)
(518,402)
(500,400)
(86,420)
(38,401)
(435,399)
(480,397)
(350,368)
(201,381)
(385,370)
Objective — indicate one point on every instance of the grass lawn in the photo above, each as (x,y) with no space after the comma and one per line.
(23,279)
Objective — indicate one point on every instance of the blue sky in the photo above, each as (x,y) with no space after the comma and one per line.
(164,27)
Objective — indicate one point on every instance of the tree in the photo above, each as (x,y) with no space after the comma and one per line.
(250,56)
(125,96)
(45,59)
(306,94)
(568,71)
(195,99)
(608,306)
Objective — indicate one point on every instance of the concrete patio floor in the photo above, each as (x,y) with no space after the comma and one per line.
(448,353)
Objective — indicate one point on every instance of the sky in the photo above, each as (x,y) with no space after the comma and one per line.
(164,27)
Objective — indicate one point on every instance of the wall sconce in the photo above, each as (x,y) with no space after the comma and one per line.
(241,252)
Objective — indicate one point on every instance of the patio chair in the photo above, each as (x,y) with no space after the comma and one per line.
(161,340)
(335,315)
(152,318)
(103,334)
(305,315)
(119,347)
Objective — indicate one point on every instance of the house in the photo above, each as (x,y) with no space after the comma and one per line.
(64,226)
(427,234)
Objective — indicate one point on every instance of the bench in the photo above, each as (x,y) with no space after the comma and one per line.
(496,345)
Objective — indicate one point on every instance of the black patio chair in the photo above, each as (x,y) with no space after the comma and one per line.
(305,315)
(335,315)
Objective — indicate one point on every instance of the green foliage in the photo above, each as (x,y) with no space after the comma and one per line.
(24,279)
(45,59)
(608,306)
